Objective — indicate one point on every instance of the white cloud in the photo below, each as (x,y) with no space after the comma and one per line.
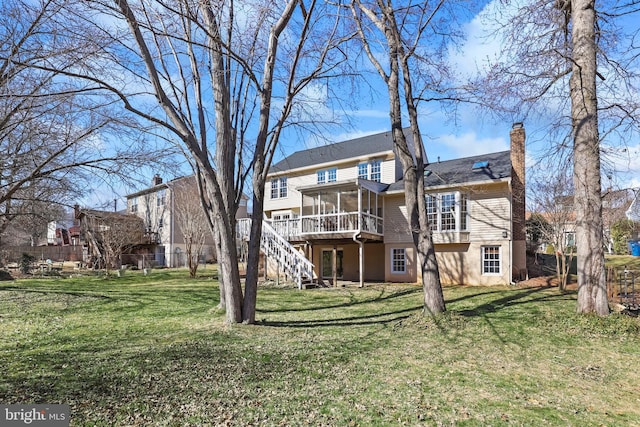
(467,144)
(471,56)
(359,134)
(483,41)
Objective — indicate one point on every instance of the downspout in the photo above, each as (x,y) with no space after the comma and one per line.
(510,236)
(171,230)
(355,239)
(360,257)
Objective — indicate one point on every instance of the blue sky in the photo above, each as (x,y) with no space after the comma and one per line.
(471,133)
(474,132)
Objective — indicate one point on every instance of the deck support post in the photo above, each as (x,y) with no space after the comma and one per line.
(334,267)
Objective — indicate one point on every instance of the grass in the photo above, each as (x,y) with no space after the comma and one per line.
(622,261)
(153,350)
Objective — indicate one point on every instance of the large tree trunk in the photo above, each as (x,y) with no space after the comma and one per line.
(414,193)
(411,157)
(262,163)
(422,237)
(592,289)
(231,278)
(253,256)
(225,239)
(431,286)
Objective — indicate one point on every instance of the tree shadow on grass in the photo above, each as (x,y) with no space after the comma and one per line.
(353,301)
(390,316)
(114,300)
(527,296)
(54,292)
(368,319)
(514,299)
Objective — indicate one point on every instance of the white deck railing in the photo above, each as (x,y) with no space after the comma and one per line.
(296,228)
(293,263)
(341,222)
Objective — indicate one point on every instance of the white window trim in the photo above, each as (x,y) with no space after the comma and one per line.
(277,215)
(482,248)
(278,188)
(379,172)
(368,175)
(161,198)
(458,195)
(335,174)
(366,172)
(392,259)
(285,187)
(323,176)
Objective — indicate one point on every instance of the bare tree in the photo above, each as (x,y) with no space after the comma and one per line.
(574,65)
(551,198)
(109,235)
(53,141)
(404,27)
(224,85)
(191,220)
(592,286)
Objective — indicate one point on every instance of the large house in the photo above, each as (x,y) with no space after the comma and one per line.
(160,207)
(342,206)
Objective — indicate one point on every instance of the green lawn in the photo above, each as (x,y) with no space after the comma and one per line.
(622,261)
(153,350)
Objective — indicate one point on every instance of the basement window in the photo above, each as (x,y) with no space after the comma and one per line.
(491,260)
(398,261)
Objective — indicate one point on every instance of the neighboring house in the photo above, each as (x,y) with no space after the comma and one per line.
(342,206)
(108,237)
(158,206)
(616,205)
(57,234)
(561,229)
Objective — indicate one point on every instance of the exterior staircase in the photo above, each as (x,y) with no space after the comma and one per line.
(275,247)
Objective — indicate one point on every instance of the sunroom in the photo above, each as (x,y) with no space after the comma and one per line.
(337,210)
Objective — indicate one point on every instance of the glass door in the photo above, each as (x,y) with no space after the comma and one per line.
(327,263)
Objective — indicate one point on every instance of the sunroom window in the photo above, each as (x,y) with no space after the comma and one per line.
(447,211)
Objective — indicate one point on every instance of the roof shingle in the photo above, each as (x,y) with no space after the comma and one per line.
(358,147)
(460,171)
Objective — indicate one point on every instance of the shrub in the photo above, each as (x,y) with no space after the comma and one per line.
(621,231)
(26,263)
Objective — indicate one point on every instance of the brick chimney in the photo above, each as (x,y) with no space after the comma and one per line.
(517,136)
(157,180)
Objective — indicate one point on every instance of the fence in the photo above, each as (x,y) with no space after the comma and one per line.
(622,287)
(13,254)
